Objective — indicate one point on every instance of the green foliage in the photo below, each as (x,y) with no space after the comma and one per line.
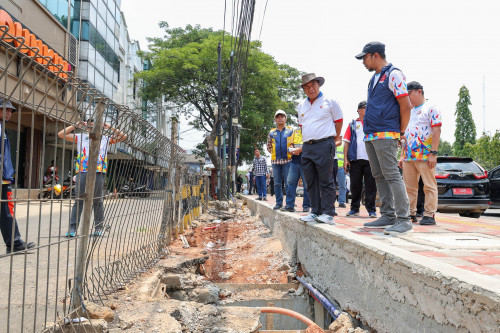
(465,131)
(445,148)
(184,72)
(486,151)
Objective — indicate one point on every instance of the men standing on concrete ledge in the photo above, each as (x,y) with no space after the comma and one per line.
(419,156)
(321,120)
(278,142)
(387,114)
(260,169)
(356,162)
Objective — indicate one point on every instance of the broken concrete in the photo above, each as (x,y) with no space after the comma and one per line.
(392,290)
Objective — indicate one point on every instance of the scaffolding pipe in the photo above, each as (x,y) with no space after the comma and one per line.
(322,299)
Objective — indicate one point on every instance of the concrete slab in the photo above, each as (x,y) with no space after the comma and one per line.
(398,283)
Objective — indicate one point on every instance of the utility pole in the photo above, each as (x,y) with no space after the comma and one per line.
(218,130)
(230,127)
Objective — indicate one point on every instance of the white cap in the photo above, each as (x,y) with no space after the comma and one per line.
(279,112)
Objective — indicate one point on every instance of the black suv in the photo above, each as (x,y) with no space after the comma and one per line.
(463,186)
(494,177)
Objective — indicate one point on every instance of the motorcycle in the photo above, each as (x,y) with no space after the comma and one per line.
(69,186)
(56,191)
(50,189)
(131,189)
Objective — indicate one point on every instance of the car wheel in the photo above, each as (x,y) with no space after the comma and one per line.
(475,215)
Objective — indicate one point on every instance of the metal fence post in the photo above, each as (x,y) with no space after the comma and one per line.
(81,262)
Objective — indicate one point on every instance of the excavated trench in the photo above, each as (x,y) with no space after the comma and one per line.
(225,274)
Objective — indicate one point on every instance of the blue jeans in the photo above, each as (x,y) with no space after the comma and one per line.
(342,187)
(260,182)
(280,171)
(295,171)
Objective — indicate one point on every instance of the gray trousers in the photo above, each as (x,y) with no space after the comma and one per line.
(317,164)
(382,154)
(76,211)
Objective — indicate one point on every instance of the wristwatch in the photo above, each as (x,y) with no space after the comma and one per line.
(433,152)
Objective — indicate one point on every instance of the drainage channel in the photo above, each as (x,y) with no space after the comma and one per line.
(220,255)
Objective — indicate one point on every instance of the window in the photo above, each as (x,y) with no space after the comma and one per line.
(58,8)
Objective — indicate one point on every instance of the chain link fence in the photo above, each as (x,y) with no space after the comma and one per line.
(92,193)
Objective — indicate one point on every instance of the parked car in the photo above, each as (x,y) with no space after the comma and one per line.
(494,177)
(463,186)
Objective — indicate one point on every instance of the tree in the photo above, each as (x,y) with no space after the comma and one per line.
(445,148)
(486,151)
(184,72)
(465,131)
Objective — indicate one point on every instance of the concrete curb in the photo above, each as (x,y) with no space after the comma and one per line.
(392,289)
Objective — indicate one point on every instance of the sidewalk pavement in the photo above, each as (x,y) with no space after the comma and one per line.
(467,243)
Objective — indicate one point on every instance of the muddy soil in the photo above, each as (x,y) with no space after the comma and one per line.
(240,248)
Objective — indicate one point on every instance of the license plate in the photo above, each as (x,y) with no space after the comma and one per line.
(462,191)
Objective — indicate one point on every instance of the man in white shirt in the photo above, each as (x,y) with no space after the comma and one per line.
(321,120)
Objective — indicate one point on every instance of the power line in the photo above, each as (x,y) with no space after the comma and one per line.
(262,22)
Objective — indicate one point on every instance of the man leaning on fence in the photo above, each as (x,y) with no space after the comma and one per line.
(8,222)
(82,141)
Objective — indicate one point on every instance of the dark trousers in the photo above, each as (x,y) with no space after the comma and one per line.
(317,163)
(250,185)
(271,185)
(420,197)
(334,175)
(7,221)
(360,170)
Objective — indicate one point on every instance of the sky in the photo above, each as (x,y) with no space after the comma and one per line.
(443,44)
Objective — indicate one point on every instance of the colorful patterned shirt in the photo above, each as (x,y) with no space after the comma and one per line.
(82,142)
(397,84)
(418,134)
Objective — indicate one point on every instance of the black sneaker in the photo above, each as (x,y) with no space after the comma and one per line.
(427,220)
(413,218)
(23,247)
(277,207)
(342,205)
(287,209)
(259,198)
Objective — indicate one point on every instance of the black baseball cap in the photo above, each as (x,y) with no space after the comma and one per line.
(361,105)
(414,85)
(371,47)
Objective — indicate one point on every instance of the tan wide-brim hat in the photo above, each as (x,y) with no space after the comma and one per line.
(311,77)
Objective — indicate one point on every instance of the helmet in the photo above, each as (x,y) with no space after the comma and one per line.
(57,189)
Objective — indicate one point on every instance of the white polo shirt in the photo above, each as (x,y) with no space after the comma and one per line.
(318,119)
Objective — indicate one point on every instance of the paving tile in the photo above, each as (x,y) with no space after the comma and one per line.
(460,253)
(483,260)
(362,233)
(453,261)
(485,270)
(489,253)
(431,254)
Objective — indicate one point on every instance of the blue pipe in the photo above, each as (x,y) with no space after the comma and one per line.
(322,299)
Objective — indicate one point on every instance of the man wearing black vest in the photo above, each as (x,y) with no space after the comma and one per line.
(356,161)
(387,114)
